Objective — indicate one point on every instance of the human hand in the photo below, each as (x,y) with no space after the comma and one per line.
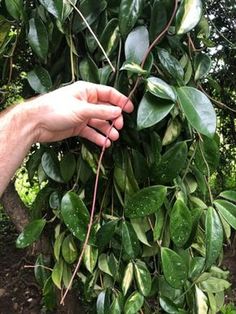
(83,109)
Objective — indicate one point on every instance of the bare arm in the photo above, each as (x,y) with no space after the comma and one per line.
(79,109)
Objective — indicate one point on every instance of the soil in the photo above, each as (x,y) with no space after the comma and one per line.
(19,292)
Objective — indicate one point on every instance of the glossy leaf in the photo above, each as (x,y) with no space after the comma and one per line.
(40,272)
(57,273)
(145,202)
(127,278)
(130,241)
(57,245)
(89,70)
(105,233)
(136,45)
(30,233)
(198,110)
(168,306)
(229,195)
(143,278)
(158,18)
(51,167)
(102,303)
(134,303)
(171,64)
(188,15)
(49,294)
(67,166)
(201,301)
(202,65)
(172,162)
(116,306)
(214,236)
(67,275)
(90,257)
(69,250)
(161,89)
(214,285)
(173,131)
(133,68)
(75,215)
(227,210)
(38,37)
(129,14)
(139,227)
(15,8)
(152,110)
(55,7)
(174,268)
(196,267)
(39,80)
(103,264)
(180,223)
(110,38)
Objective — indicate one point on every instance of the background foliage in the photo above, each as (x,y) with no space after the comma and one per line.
(157,234)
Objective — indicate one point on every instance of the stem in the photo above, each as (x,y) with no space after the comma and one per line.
(159,37)
(94,35)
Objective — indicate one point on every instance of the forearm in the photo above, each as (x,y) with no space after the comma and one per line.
(17,131)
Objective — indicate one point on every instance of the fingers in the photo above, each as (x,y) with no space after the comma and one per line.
(105,128)
(102,112)
(94,136)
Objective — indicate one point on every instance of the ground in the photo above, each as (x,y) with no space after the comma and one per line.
(20,294)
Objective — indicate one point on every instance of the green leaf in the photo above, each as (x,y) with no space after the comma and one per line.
(143,278)
(214,236)
(103,264)
(168,306)
(188,15)
(57,245)
(198,110)
(69,250)
(51,167)
(38,37)
(55,7)
(229,195)
(129,13)
(105,233)
(172,162)
(139,227)
(136,44)
(55,200)
(202,65)
(39,80)
(161,89)
(173,131)
(152,110)
(134,303)
(133,68)
(127,278)
(75,215)
(171,64)
(117,304)
(196,267)
(49,295)
(130,241)
(109,38)
(180,223)
(89,70)
(67,166)
(174,268)
(159,224)
(57,273)
(201,301)
(90,257)
(40,272)
(145,202)
(214,285)
(67,275)
(15,8)
(102,303)
(227,210)
(158,19)
(30,233)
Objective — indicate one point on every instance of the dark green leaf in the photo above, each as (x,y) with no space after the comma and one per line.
(180,223)
(39,80)
(55,7)
(67,274)
(174,268)
(214,236)
(229,195)
(196,267)
(160,89)
(105,233)
(89,70)
(102,303)
(134,303)
(152,110)
(227,210)
(69,249)
(188,15)
(172,162)
(40,272)
(136,44)
(145,202)
(139,225)
(202,65)
(168,306)
(198,110)
(130,11)
(51,167)
(143,278)
(15,8)
(171,64)
(38,37)
(57,245)
(55,200)
(75,215)
(67,166)
(49,294)
(31,233)
(130,241)
(127,278)
(109,38)
(158,18)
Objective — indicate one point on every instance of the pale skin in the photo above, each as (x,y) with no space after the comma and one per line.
(80,109)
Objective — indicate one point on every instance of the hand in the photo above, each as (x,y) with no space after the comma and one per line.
(83,109)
